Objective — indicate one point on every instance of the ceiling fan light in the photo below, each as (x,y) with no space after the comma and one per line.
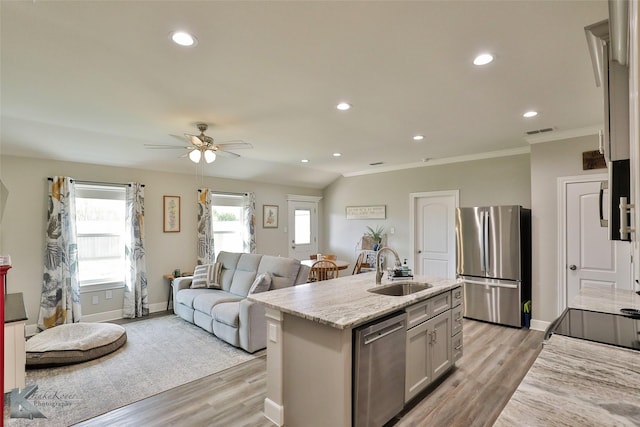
(209,156)
(195,155)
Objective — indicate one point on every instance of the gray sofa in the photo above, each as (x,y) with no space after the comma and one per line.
(226,312)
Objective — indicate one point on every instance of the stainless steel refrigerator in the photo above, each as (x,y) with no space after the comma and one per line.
(493,247)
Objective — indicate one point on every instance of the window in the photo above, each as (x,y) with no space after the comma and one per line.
(100,228)
(228,223)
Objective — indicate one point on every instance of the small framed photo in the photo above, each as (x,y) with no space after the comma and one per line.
(171,214)
(269,216)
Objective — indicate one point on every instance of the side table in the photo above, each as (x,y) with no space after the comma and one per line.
(170,278)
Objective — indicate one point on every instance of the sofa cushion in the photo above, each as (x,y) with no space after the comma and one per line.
(261,284)
(186,296)
(229,261)
(206,302)
(227,313)
(245,274)
(283,270)
(207,276)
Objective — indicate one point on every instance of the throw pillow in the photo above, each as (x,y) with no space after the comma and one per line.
(206,276)
(216,273)
(261,284)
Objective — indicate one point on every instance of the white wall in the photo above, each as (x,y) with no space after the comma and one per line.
(22,229)
(549,161)
(497,181)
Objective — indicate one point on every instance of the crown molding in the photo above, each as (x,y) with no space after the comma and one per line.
(443,161)
(563,134)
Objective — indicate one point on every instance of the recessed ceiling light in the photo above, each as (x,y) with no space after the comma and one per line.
(183,38)
(483,59)
(530,114)
(305,160)
(418,137)
(343,106)
(337,154)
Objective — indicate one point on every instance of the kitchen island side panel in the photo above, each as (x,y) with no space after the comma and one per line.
(317,373)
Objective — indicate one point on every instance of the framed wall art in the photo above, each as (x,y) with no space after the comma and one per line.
(171,214)
(366,212)
(269,216)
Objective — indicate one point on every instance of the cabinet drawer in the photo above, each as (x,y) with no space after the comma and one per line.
(456,344)
(425,310)
(456,296)
(441,303)
(418,313)
(456,320)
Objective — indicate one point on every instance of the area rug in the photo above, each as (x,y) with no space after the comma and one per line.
(160,353)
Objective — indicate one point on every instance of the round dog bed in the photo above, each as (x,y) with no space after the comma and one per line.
(74,343)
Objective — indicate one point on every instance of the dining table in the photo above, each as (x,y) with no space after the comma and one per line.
(339,263)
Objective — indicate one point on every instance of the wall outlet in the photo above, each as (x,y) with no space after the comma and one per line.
(108,295)
(95,300)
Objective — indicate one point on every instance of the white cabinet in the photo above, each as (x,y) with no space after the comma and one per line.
(14,356)
(430,347)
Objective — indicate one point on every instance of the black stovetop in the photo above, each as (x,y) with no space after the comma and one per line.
(607,328)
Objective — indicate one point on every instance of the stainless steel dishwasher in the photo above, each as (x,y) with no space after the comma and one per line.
(379,370)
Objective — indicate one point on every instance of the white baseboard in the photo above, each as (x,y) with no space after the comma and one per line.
(539,325)
(274,412)
(106,316)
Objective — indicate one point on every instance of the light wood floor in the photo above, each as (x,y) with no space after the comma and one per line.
(495,360)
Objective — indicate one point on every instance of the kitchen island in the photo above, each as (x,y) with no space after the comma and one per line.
(309,343)
(578,382)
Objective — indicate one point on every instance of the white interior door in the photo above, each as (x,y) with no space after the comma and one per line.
(303,228)
(592,260)
(434,233)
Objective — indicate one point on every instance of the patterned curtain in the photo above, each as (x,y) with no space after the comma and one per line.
(206,253)
(136,299)
(60,301)
(249,235)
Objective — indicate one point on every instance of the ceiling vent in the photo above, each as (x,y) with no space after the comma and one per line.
(376,163)
(538,131)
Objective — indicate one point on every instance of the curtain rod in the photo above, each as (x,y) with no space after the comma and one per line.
(226,193)
(98,182)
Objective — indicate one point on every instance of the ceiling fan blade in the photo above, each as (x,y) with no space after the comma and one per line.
(181,138)
(233,145)
(162,147)
(227,154)
(194,139)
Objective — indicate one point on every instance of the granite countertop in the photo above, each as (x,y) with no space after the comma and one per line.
(577,383)
(606,300)
(14,310)
(344,302)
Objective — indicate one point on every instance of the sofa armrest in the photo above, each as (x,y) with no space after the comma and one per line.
(178,284)
(253,326)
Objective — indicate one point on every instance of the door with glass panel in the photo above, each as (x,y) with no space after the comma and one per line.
(303,229)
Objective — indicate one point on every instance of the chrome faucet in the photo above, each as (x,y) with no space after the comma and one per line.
(380,273)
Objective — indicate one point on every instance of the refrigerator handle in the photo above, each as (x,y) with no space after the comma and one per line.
(485,241)
(482,261)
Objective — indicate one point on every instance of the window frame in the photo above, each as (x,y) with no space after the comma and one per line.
(89,190)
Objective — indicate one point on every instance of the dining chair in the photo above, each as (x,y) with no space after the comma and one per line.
(363,261)
(357,268)
(323,270)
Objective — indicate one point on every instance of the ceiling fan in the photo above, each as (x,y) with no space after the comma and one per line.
(203,146)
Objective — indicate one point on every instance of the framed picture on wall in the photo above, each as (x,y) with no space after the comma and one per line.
(269,216)
(171,214)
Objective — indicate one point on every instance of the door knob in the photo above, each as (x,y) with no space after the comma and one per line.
(419,251)
(572,267)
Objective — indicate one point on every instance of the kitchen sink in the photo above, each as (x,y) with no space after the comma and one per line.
(400,288)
